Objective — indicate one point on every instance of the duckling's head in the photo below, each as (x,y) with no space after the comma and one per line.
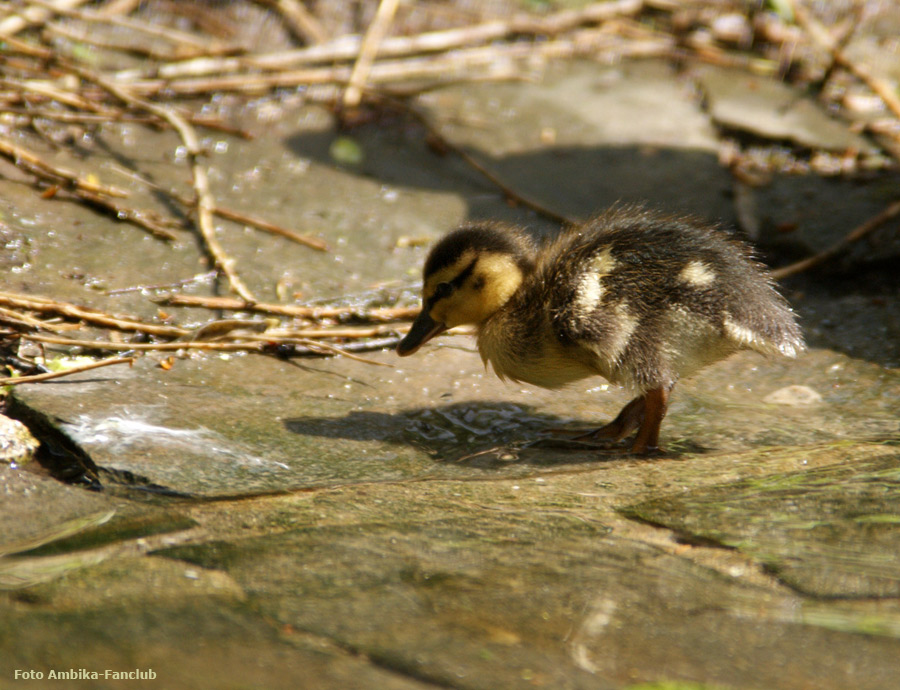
(470,274)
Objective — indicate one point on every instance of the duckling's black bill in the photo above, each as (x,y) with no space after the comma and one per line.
(424,328)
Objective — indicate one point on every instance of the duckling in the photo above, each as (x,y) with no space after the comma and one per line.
(636,296)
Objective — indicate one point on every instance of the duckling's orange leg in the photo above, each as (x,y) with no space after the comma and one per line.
(656,402)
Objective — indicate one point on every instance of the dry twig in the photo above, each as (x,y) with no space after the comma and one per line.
(16,380)
(33,15)
(820,36)
(95,317)
(299,20)
(202,345)
(19,319)
(348,48)
(187,44)
(499,61)
(55,174)
(205,202)
(367,51)
(236,216)
(860,231)
(511,194)
(260,224)
(295,311)
(150,221)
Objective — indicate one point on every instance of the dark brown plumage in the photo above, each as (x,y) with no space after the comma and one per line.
(638,297)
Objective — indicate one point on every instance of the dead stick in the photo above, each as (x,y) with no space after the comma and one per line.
(49,90)
(201,45)
(191,345)
(32,16)
(125,43)
(205,202)
(299,20)
(79,118)
(230,214)
(104,113)
(345,48)
(379,27)
(143,219)
(508,191)
(854,235)
(200,277)
(17,318)
(328,348)
(113,7)
(16,380)
(265,225)
(286,334)
(383,71)
(31,162)
(126,347)
(92,316)
(27,47)
(821,37)
(457,64)
(296,311)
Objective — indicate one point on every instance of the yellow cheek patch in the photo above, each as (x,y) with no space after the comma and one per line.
(490,281)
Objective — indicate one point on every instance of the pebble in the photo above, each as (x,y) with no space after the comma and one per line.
(794,396)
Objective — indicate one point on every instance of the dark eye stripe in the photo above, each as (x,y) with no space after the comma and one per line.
(442,290)
(464,274)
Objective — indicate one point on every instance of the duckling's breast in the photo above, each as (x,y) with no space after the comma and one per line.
(526,349)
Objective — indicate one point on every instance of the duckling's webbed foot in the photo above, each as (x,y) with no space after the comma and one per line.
(628,420)
(644,414)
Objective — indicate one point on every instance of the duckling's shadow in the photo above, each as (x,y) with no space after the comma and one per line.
(486,435)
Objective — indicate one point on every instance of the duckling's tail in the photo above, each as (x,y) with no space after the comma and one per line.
(774,332)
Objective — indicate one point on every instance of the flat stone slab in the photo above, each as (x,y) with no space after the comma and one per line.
(36,509)
(197,631)
(457,584)
(769,108)
(253,424)
(828,532)
(479,585)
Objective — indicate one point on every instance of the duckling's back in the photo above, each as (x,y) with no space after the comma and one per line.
(651,298)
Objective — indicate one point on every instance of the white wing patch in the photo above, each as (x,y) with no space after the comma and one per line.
(620,335)
(697,273)
(611,346)
(590,287)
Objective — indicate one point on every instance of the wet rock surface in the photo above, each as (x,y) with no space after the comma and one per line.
(328,523)
(835,534)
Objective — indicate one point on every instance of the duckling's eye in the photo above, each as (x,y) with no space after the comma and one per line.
(442,290)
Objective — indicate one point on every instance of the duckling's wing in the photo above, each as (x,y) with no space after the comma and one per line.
(657,296)
(590,295)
